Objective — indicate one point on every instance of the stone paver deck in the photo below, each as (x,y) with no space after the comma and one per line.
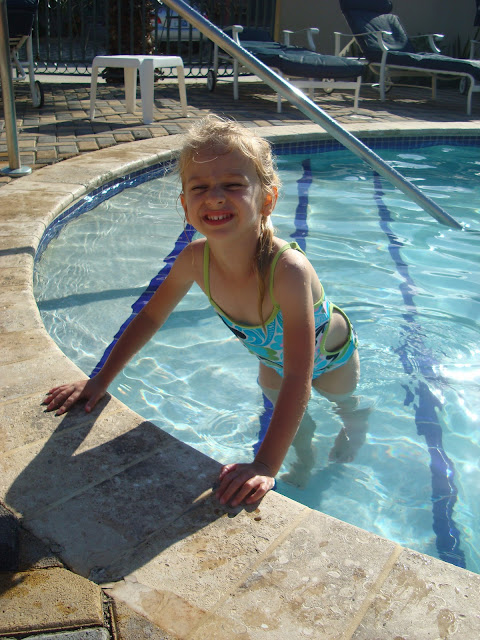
(62,129)
(135,545)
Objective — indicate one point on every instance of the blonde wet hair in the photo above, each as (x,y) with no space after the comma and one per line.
(221,135)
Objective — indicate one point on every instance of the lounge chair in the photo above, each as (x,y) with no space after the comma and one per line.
(474,52)
(386,46)
(20,15)
(303,67)
(475,44)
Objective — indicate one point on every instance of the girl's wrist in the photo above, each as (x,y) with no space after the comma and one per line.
(102,380)
(266,467)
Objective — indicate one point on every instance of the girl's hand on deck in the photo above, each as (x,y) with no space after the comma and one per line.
(246,483)
(62,398)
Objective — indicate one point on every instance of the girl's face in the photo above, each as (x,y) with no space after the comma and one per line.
(222,194)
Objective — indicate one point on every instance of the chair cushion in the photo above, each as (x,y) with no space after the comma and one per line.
(435,62)
(297,61)
(259,48)
(361,22)
(308,64)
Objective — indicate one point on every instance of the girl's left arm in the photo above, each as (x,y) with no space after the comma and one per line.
(250,482)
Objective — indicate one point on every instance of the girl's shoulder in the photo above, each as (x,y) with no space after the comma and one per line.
(196,247)
(190,260)
(288,264)
(288,253)
(293,272)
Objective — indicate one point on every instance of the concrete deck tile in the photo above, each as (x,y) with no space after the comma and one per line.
(426,598)
(34,553)
(104,142)
(205,552)
(13,247)
(80,170)
(89,172)
(124,137)
(18,310)
(87,145)
(48,599)
(159,132)
(34,228)
(67,148)
(135,158)
(11,261)
(34,182)
(15,279)
(24,420)
(165,610)
(144,147)
(125,510)
(31,204)
(22,345)
(38,477)
(29,376)
(314,584)
(131,626)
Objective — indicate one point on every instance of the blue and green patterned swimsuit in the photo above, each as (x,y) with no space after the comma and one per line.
(267,344)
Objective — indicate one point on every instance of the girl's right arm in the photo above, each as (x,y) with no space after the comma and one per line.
(135,336)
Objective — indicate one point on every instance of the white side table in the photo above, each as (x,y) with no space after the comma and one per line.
(146,65)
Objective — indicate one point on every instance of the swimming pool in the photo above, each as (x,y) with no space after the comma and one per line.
(409,285)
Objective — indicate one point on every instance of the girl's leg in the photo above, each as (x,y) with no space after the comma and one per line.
(299,474)
(338,386)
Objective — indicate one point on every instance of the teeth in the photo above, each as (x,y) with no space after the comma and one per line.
(222,217)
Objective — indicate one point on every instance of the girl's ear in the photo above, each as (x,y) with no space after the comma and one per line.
(270,202)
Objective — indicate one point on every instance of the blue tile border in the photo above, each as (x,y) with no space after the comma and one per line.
(377,142)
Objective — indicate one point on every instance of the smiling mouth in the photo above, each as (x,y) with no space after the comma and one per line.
(220,217)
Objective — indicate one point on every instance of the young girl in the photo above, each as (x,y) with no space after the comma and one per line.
(263,288)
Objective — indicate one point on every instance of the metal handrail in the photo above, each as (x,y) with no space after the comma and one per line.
(312,111)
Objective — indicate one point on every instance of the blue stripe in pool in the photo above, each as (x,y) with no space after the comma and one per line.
(444,491)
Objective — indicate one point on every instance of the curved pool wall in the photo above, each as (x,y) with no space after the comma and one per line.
(118,498)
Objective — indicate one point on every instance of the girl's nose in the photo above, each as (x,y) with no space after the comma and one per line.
(215,195)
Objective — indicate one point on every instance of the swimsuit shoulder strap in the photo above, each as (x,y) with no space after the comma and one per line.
(286,246)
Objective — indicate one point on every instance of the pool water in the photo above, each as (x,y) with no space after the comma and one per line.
(409,285)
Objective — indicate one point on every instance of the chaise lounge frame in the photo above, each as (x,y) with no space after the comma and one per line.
(328,84)
(391,53)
